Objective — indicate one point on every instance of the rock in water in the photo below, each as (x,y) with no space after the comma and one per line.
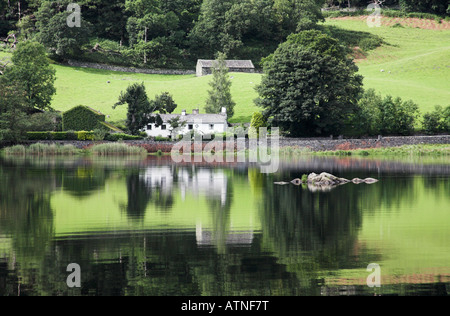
(326,181)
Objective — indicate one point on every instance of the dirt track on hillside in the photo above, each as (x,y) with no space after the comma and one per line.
(427,24)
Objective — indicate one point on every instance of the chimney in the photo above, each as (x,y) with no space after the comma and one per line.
(224,111)
(196,111)
(183,113)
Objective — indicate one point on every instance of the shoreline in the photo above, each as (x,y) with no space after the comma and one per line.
(308,144)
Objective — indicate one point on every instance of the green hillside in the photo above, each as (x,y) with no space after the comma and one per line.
(416,62)
(100,90)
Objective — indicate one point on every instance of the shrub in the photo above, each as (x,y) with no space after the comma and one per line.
(99,134)
(377,115)
(121,136)
(370,43)
(47,121)
(83,135)
(397,116)
(257,122)
(162,139)
(437,121)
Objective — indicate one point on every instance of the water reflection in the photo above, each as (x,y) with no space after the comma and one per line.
(150,227)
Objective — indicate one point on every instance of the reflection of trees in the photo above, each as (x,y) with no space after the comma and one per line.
(220,208)
(84,180)
(141,193)
(138,196)
(26,215)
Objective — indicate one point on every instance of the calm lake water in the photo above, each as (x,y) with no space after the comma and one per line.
(151,227)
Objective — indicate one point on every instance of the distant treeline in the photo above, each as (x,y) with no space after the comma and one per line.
(173,33)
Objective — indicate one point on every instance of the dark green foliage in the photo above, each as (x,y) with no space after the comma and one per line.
(13,118)
(397,117)
(387,116)
(31,70)
(257,122)
(310,87)
(82,118)
(219,96)
(440,7)
(46,121)
(139,107)
(56,35)
(164,102)
(350,38)
(121,136)
(437,121)
(80,135)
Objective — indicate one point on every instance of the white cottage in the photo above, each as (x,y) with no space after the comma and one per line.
(204,124)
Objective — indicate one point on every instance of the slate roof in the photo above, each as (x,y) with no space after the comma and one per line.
(196,118)
(245,64)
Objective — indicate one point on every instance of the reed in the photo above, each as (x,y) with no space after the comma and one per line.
(119,149)
(39,149)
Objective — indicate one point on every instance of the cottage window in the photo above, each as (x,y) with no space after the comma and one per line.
(191,126)
(163,127)
(211,126)
(149,127)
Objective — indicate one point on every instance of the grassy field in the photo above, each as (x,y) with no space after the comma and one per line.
(416,64)
(90,87)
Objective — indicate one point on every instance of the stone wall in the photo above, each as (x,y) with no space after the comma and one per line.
(314,144)
(74,63)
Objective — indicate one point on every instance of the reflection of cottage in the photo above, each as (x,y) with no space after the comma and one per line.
(204,66)
(204,124)
(203,182)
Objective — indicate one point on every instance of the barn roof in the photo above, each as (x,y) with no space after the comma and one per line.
(246,64)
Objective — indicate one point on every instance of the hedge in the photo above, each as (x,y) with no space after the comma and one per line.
(60,135)
(121,136)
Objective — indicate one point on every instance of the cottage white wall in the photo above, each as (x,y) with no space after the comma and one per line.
(203,128)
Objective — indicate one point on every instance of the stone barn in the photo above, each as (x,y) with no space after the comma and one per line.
(204,67)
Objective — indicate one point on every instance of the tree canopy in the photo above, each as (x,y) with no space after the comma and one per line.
(309,86)
(31,70)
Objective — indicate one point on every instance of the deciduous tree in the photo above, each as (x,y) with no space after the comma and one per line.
(310,86)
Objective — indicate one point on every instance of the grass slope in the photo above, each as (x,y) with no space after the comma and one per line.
(416,62)
(90,87)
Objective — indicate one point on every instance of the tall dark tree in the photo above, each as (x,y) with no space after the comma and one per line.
(139,108)
(219,96)
(141,111)
(56,34)
(310,87)
(13,119)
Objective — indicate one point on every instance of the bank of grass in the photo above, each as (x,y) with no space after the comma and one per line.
(117,149)
(39,149)
(391,152)
(106,149)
